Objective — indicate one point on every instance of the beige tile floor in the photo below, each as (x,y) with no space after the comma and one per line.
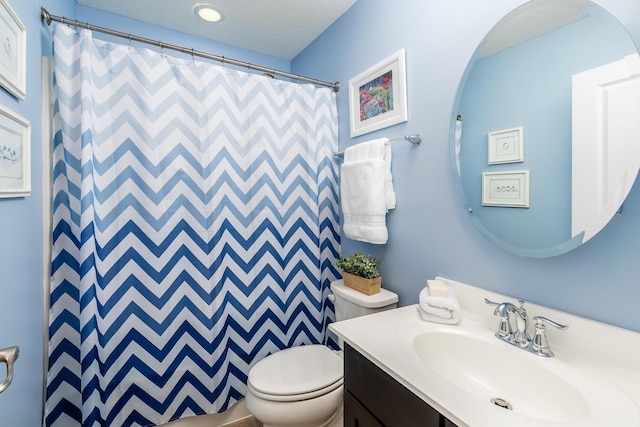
(236,416)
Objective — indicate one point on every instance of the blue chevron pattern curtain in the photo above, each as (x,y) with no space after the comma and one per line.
(195,227)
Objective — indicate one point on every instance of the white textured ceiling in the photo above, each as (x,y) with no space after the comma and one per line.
(280,28)
(530,21)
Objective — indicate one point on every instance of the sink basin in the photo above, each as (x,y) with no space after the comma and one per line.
(504,376)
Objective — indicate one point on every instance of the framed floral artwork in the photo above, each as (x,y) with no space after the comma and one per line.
(378,96)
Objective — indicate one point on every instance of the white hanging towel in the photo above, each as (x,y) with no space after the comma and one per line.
(390,194)
(366,191)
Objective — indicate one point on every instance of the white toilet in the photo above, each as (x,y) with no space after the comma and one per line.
(302,386)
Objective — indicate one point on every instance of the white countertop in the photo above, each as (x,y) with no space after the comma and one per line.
(599,360)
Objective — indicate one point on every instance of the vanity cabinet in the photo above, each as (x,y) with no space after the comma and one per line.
(372,398)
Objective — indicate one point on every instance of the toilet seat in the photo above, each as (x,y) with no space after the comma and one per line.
(296,373)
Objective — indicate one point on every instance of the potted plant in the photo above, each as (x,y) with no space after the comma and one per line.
(360,272)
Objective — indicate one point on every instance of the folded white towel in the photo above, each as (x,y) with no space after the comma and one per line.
(365,191)
(439,309)
(373,149)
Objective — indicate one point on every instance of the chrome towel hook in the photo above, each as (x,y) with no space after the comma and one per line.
(8,356)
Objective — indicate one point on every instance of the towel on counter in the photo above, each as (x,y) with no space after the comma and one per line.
(366,191)
(439,309)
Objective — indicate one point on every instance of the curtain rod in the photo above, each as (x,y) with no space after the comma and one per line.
(270,71)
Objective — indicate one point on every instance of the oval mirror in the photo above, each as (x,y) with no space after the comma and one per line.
(544,132)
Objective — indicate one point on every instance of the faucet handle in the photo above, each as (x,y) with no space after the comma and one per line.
(541,319)
(488,301)
(539,344)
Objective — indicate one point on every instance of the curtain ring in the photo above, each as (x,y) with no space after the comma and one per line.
(161,47)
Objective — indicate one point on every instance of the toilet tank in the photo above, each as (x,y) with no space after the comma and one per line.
(350,303)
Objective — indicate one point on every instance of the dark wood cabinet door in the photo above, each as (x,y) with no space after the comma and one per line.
(392,404)
(356,415)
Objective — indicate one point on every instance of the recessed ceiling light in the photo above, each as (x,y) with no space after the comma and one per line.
(208,13)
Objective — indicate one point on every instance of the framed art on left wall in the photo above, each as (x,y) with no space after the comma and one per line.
(13,52)
(15,154)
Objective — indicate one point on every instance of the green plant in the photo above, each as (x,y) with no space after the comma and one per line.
(360,265)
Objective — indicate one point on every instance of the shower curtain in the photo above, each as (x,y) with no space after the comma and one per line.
(195,227)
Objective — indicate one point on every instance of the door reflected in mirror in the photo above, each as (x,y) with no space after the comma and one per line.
(522,77)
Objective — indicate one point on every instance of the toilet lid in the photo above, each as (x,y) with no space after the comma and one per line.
(296,371)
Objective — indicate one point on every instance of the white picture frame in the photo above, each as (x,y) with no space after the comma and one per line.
(13,52)
(15,154)
(506,146)
(506,189)
(378,96)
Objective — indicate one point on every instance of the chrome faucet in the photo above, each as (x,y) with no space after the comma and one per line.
(520,337)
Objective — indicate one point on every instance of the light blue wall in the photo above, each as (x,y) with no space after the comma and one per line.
(21,295)
(21,229)
(430,233)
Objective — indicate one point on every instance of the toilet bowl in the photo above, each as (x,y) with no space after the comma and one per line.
(299,386)
(302,386)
